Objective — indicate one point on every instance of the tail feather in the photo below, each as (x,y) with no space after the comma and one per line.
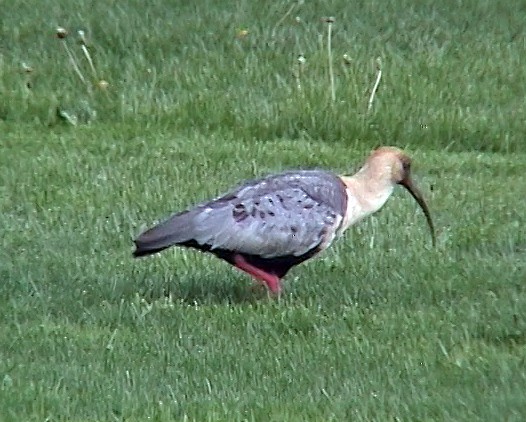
(177,229)
(141,251)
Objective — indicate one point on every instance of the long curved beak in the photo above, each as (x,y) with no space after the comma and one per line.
(415,193)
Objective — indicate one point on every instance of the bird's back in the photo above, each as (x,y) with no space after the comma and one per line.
(286,214)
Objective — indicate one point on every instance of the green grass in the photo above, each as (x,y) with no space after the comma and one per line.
(381,327)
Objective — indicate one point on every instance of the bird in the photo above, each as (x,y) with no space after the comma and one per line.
(267,226)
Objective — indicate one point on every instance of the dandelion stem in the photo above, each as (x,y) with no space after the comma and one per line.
(85,50)
(330,21)
(73,62)
(282,19)
(299,69)
(376,83)
(88,56)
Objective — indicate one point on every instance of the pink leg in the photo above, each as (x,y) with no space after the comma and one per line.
(271,280)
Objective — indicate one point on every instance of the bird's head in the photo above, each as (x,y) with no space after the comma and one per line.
(397,164)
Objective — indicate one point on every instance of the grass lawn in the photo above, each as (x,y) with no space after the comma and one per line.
(199,96)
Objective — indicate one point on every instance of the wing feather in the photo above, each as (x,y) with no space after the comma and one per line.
(287,214)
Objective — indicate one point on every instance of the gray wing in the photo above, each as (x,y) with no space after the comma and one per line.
(287,214)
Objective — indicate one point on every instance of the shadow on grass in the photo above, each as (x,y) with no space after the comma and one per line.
(505,340)
(203,290)
(512,336)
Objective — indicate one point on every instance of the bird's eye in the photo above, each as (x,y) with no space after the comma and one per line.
(406,166)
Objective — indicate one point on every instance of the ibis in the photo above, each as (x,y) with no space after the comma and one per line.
(265,227)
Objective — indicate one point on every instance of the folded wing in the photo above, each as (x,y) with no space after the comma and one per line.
(284,215)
